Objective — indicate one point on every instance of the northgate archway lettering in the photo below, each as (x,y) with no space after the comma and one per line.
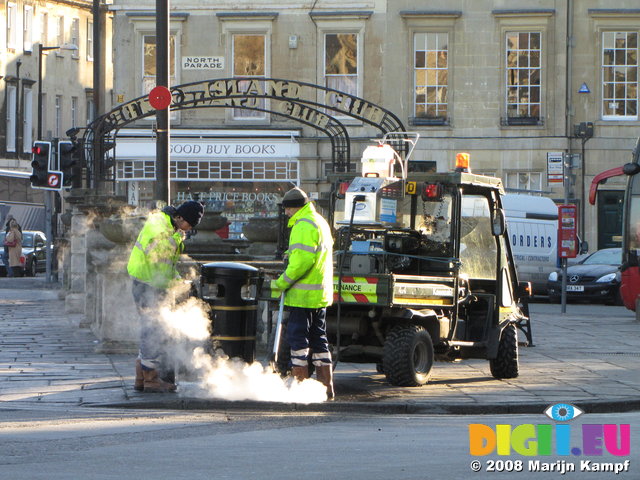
(306,103)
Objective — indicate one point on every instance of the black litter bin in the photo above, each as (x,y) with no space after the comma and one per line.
(231,290)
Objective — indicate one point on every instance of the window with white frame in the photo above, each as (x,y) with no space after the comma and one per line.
(90,109)
(523,83)
(58,111)
(431,76)
(74,111)
(89,40)
(27,27)
(11,117)
(620,75)
(75,35)
(11,25)
(341,63)
(60,31)
(249,61)
(149,62)
(44,29)
(523,180)
(149,68)
(27,119)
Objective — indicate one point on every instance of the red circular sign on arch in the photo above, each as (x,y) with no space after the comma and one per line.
(160,97)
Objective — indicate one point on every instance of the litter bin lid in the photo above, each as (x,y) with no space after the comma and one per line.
(232,266)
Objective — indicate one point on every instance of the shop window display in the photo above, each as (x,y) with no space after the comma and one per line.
(238,201)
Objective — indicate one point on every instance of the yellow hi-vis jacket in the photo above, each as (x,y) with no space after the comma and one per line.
(308,278)
(156,252)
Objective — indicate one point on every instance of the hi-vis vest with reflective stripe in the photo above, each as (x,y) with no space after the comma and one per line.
(156,252)
(308,279)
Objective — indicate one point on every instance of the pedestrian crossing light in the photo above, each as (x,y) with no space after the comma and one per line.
(40,161)
(67,160)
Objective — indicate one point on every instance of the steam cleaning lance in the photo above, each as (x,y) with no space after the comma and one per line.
(278,334)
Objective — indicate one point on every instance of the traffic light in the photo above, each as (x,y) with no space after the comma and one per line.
(66,161)
(40,161)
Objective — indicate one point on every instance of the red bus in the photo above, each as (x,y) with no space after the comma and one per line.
(630,268)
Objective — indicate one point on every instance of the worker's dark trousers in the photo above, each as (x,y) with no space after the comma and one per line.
(307,331)
(152,336)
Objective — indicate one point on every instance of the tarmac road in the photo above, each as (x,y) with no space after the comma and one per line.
(589,357)
(81,443)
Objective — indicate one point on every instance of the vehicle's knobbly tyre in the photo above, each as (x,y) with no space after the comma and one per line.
(408,356)
(505,365)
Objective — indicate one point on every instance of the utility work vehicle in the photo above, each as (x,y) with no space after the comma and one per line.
(424,270)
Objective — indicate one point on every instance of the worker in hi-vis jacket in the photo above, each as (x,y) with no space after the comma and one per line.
(307,283)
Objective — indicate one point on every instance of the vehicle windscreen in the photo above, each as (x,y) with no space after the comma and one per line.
(631,228)
(478,249)
(27,240)
(434,224)
(604,257)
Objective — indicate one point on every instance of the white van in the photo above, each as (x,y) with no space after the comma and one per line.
(532,225)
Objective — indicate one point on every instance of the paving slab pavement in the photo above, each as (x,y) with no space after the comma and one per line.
(589,357)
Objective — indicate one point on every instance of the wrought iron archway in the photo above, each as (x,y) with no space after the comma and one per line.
(302,102)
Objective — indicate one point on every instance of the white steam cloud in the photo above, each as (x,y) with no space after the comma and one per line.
(187,325)
(233,379)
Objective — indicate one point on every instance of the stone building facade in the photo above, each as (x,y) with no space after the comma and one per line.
(67,73)
(513,83)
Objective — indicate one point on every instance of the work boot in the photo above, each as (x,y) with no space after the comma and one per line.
(168,376)
(138,384)
(300,373)
(153,383)
(324,374)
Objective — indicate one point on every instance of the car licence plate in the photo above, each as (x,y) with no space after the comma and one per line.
(575,288)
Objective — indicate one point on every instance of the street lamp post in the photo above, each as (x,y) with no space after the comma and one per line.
(47,193)
(40,50)
(163,178)
(48,197)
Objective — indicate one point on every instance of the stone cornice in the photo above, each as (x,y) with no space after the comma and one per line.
(430,14)
(547,12)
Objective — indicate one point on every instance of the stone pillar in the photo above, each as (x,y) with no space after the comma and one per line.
(262,232)
(75,299)
(111,311)
(115,319)
(206,240)
(85,244)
